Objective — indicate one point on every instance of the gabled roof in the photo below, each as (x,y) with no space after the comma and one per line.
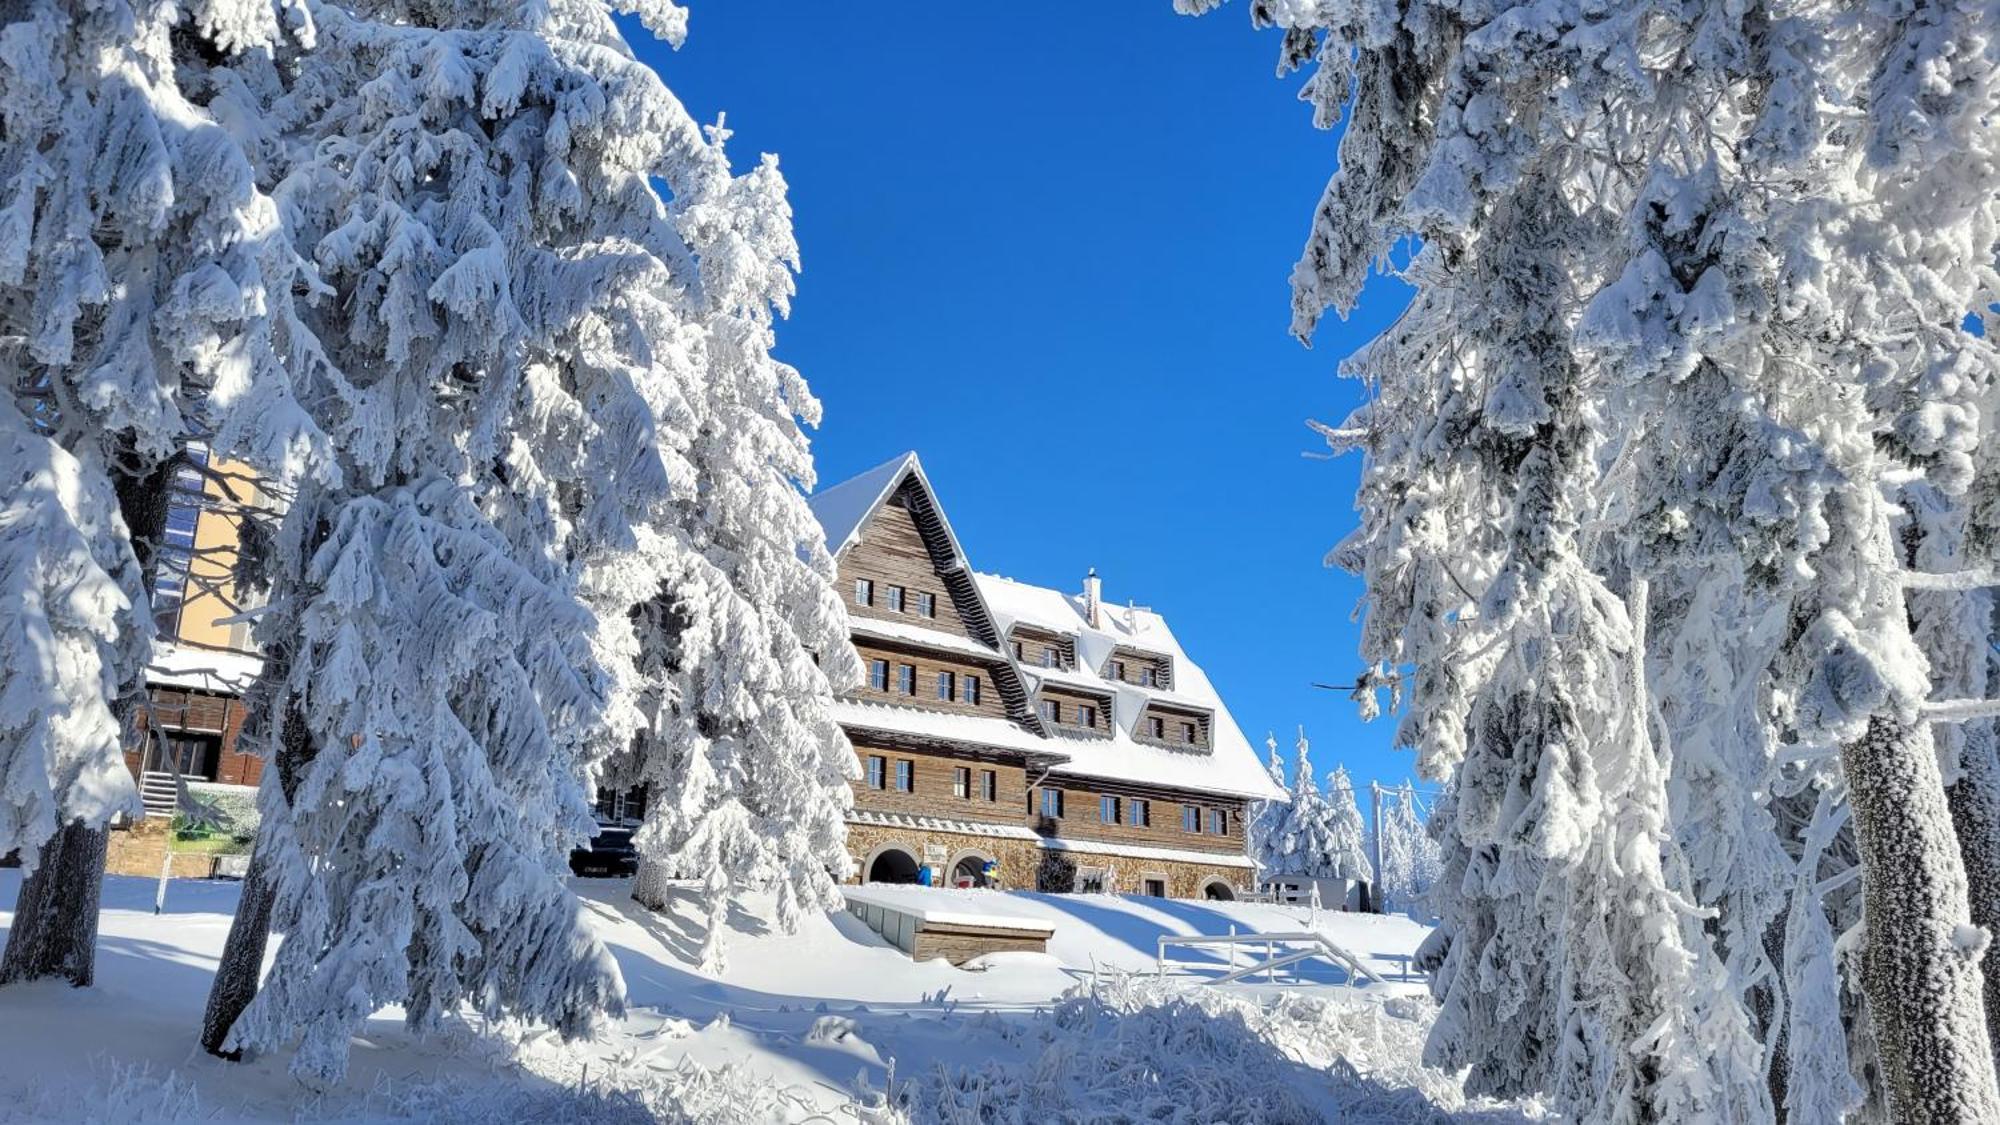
(843,508)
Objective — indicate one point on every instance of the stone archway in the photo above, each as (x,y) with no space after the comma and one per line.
(1215,890)
(890,864)
(969,864)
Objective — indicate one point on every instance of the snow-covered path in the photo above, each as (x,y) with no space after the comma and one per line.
(796,1022)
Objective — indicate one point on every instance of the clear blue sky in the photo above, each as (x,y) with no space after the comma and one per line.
(1046,245)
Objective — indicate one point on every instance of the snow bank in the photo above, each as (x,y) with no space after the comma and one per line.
(1126,1048)
(927,905)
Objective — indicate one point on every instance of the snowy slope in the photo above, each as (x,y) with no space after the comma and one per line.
(785,1032)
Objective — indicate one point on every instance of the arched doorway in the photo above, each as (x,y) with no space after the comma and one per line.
(892,865)
(969,870)
(1218,891)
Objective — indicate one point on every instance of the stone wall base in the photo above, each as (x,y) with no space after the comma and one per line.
(1026,865)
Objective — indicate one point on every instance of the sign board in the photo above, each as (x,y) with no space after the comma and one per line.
(935,854)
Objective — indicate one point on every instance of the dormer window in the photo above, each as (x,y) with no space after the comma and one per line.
(1188,733)
(864,591)
(1086,715)
(1017,650)
(1149,676)
(895,599)
(1050,657)
(1156,726)
(1051,710)
(1118,670)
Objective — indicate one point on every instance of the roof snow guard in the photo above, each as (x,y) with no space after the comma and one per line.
(992,606)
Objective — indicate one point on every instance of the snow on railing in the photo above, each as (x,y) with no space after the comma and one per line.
(1321,946)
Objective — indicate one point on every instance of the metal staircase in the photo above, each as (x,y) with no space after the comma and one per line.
(157,793)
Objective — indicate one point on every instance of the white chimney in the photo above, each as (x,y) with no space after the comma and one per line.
(1093,598)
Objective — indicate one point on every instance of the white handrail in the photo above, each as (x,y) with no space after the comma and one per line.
(1327,948)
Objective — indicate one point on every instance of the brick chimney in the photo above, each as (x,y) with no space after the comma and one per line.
(1093,599)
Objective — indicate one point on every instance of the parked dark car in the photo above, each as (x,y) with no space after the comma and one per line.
(609,853)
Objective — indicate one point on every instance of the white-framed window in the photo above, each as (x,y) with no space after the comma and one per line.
(864,591)
(968,689)
(1052,802)
(1149,676)
(1052,710)
(1153,886)
(906,679)
(946,686)
(1051,656)
(1190,819)
(878,675)
(878,771)
(1118,670)
(1156,727)
(1188,734)
(1139,812)
(927,604)
(896,599)
(906,775)
(1107,809)
(1218,821)
(961,782)
(989,784)
(1086,715)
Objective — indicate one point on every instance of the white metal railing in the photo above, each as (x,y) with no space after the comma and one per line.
(1319,946)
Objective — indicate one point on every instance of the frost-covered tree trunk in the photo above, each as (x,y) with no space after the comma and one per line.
(54,931)
(1920,964)
(1975,815)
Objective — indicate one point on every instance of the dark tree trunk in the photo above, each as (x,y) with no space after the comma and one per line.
(1975,813)
(55,923)
(241,969)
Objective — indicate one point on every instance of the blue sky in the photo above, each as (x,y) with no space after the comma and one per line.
(1046,245)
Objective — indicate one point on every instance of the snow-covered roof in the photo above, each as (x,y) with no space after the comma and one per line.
(1140,851)
(843,508)
(952,726)
(1230,765)
(201,668)
(933,905)
(886,630)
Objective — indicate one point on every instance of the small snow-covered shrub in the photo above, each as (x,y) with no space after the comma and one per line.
(1130,1049)
(113,1091)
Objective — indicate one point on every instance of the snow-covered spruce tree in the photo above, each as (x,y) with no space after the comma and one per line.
(1301,842)
(505,343)
(139,279)
(1491,582)
(1347,836)
(746,644)
(1267,827)
(1410,859)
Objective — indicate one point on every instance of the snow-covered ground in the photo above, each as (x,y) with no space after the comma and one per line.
(821,1021)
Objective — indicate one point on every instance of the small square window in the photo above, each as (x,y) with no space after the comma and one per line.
(1086,715)
(1107,809)
(896,599)
(961,782)
(906,679)
(946,686)
(878,769)
(927,605)
(1051,710)
(968,689)
(906,776)
(864,592)
(1155,888)
(878,675)
(1148,677)
(989,784)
